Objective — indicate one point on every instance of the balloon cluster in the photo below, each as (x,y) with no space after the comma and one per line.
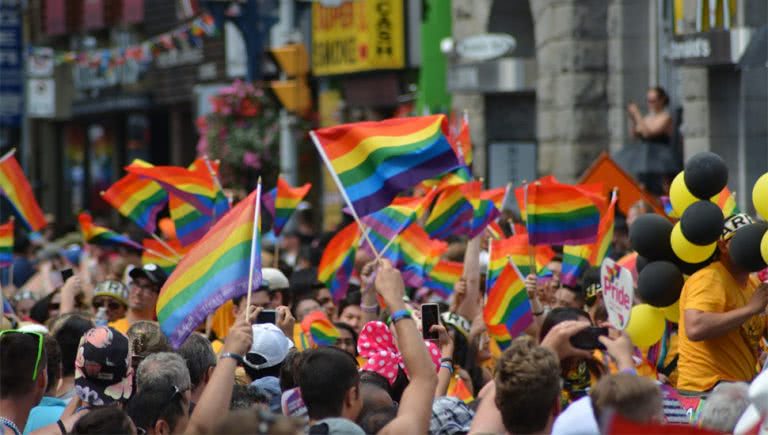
(667,251)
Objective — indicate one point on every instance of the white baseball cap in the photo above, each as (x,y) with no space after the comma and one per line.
(273,279)
(270,347)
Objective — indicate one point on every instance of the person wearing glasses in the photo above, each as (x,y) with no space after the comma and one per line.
(23,378)
(112,295)
(142,296)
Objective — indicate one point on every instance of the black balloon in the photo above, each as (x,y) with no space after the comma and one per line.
(660,284)
(702,223)
(649,236)
(744,249)
(705,175)
(640,263)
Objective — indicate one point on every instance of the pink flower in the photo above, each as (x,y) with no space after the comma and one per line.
(251,159)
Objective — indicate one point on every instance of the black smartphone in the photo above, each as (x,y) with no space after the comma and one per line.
(587,339)
(430,315)
(66,274)
(267,316)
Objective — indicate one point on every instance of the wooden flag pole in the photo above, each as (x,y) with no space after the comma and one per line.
(252,263)
(343,191)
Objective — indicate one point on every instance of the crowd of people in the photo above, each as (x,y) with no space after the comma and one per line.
(86,355)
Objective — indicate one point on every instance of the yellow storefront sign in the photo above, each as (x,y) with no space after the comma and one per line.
(358,35)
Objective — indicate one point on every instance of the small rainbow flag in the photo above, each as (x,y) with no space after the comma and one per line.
(453,178)
(578,258)
(6,243)
(338,260)
(157,253)
(500,335)
(495,230)
(281,201)
(453,209)
(459,390)
(461,141)
(507,303)
(193,186)
(138,199)
(103,236)
(444,276)
(213,271)
(496,195)
(322,331)
(560,214)
(15,186)
(375,161)
(210,169)
(726,202)
(190,224)
(485,214)
(517,250)
(417,254)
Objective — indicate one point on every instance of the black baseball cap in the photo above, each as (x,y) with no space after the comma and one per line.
(150,271)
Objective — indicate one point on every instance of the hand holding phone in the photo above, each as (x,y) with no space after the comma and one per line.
(588,338)
(430,316)
(267,316)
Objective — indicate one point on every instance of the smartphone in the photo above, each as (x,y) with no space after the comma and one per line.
(587,339)
(267,316)
(430,315)
(66,274)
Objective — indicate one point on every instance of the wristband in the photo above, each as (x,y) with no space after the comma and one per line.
(372,309)
(538,313)
(400,315)
(234,356)
(447,366)
(446,359)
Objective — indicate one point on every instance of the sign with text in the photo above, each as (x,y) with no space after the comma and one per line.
(358,35)
(618,290)
(11,64)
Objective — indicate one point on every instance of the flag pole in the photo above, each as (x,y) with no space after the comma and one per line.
(384,249)
(8,154)
(342,190)
(254,242)
(166,258)
(531,254)
(165,245)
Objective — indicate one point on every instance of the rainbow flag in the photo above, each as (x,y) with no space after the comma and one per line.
(374,161)
(417,254)
(15,186)
(138,199)
(453,210)
(578,258)
(485,214)
(385,224)
(495,230)
(560,214)
(461,141)
(210,169)
(338,260)
(496,196)
(190,224)
(500,335)
(322,331)
(193,186)
(103,236)
(517,250)
(281,201)
(726,202)
(213,271)
(453,178)
(6,243)
(156,253)
(444,276)
(507,303)
(459,390)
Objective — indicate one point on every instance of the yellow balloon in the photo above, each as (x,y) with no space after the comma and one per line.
(760,196)
(764,247)
(687,251)
(672,312)
(679,195)
(646,325)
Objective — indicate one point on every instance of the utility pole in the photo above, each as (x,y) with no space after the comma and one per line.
(283,33)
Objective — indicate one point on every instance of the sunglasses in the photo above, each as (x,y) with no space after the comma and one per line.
(112,305)
(39,346)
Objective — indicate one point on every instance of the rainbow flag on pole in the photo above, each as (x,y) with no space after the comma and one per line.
(444,276)
(338,260)
(281,201)
(15,186)
(190,224)
(726,202)
(157,253)
(138,199)
(507,303)
(560,214)
(193,186)
(453,210)
(6,243)
(578,258)
(103,236)
(213,271)
(417,254)
(517,250)
(374,161)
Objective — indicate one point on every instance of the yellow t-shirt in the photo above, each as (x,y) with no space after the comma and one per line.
(121,325)
(729,357)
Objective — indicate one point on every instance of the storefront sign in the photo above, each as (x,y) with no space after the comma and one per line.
(11,66)
(359,35)
(478,48)
(708,48)
(618,289)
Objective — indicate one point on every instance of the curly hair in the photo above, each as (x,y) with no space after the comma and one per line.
(527,386)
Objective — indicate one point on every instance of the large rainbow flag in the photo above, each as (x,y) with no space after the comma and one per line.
(103,236)
(138,199)
(374,161)
(15,186)
(6,243)
(338,260)
(517,250)
(281,201)
(213,271)
(507,303)
(559,214)
(444,276)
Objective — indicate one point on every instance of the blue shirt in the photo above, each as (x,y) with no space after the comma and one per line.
(47,412)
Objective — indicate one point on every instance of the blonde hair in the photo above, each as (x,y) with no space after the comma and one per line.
(635,398)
